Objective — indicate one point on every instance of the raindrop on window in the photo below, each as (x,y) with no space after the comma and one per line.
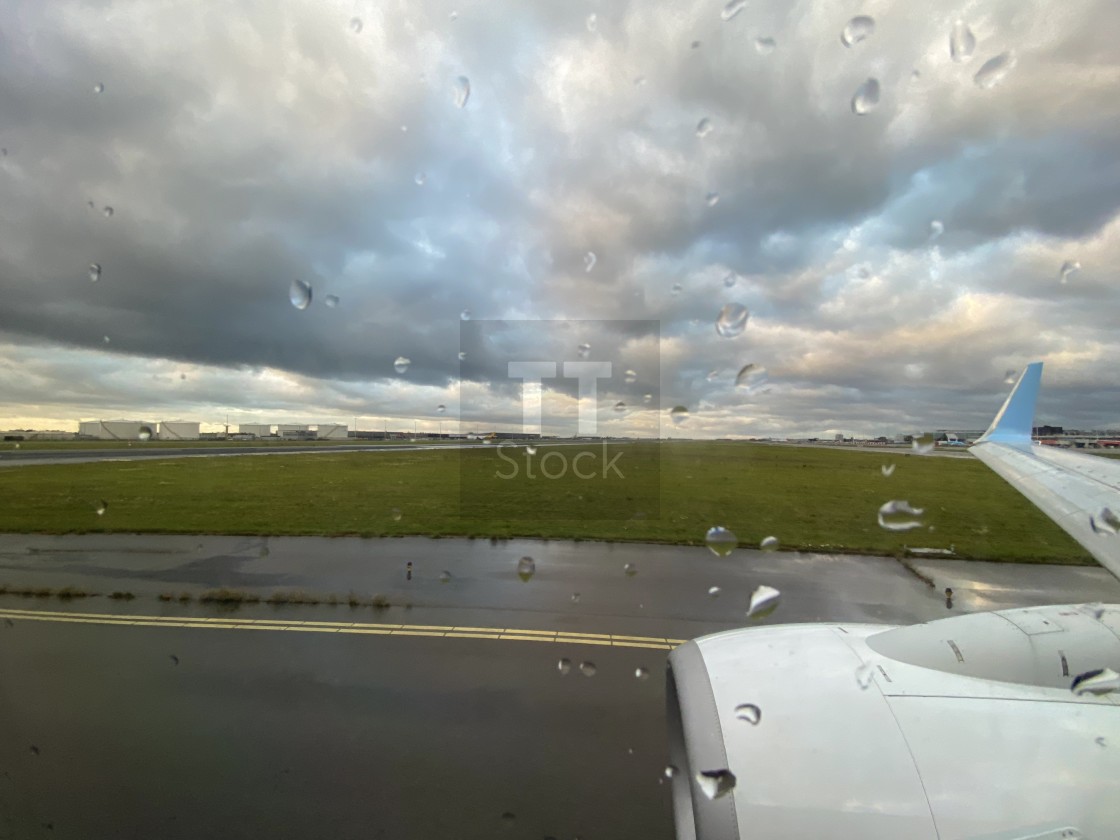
(732,320)
(713,375)
(733,8)
(676,289)
(174,659)
(1100,741)
(865,673)
(678,414)
(441,408)
(592,22)
(641,673)
(589,260)
(630,377)
(639,81)
(1069,268)
(107,212)
(1098,681)
(576,597)
(630,569)
(564,666)
(94,272)
(764,600)
(588,669)
(713,591)
(420,178)
(401,363)
(1009,376)
(923,444)
(508,818)
(670,771)
(145,433)
(866,98)
(584,350)
(462,355)
(526,568)
(704,127)
(299,293)
(895,515)
(720,540)
(356,25)
(620,407)
(445,577)
(101,507)
(769,544)
(961,42)
(748,712)
(331,301)
(711,199)
(647,398)
(887,470)
(764,46)
(461,91)
(99,88)
(994,70)
(396,514)
(532,450)
(454,16)
(857,29)
(751,377)
(715,783)
(1106,522)
(465,315)
(936,228)
(105,339)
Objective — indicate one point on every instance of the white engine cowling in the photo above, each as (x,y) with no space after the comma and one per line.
(966,729)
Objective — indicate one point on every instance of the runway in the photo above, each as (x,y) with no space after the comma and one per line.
(445,715)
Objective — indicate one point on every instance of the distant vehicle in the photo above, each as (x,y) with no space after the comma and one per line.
(988,725)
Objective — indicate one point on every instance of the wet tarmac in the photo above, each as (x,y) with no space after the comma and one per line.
(320,724)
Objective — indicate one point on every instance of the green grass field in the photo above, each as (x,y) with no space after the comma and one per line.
(814,499)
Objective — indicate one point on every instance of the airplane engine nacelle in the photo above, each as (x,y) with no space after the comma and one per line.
(960,728)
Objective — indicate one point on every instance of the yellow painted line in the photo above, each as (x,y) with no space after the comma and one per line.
(426,630)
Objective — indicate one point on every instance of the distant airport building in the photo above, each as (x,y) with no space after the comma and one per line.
(117,429)
(255,429)
(331,431)
(178,430)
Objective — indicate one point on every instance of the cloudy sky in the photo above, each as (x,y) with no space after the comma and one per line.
(896,263)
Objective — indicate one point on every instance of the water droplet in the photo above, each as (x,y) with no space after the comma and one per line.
(420,178)
(404,129)
(720,540)
(99,88)
(923,444)
(101,507)
(764,46)
(532,450)
(461,91)
(465,315)
(936,228)
(630,377)
(1069,267)
(713,591)
(715,783)
(1100,741)
(401,363)
(751,377)
(1009,376)
(748,712)
(1106,522)
(713,375)
(441,408)
(895,516)
(857,29)
(174,659)
(733,8)
(887,470)
(331,301)
(764,601)
(592,22)
(576,597)
(670,771)
(526,568)
(769,544)
(641,673)
(94,272)
(105,338)
(647,398)
(509,818)
(396,514)
(107,212)
(454,15)
(704,127)
(564,666)
(620,407)
(711,199)
(299,293)
(865,673)
(588,669)
(676,289)
(866,98)
(462,355)
(732,320)
(356,25)
(695,45)
(589,260)
(678,414)
(584,350)
(730,280)
(630,569)
(961,42)
(639,81)
(994,70)
(1096,682)
(145,433)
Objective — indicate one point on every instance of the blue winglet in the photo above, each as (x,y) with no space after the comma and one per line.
(1015,420)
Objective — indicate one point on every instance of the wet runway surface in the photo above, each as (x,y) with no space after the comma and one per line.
(299,721)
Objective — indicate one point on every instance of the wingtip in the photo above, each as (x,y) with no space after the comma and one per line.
(1015,420)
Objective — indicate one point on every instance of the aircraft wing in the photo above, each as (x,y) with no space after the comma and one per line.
(1081,493)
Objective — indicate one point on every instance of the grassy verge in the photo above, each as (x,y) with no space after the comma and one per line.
(815,499)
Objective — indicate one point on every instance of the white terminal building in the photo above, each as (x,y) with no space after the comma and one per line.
(296,431)
(138,430)
(178,430)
